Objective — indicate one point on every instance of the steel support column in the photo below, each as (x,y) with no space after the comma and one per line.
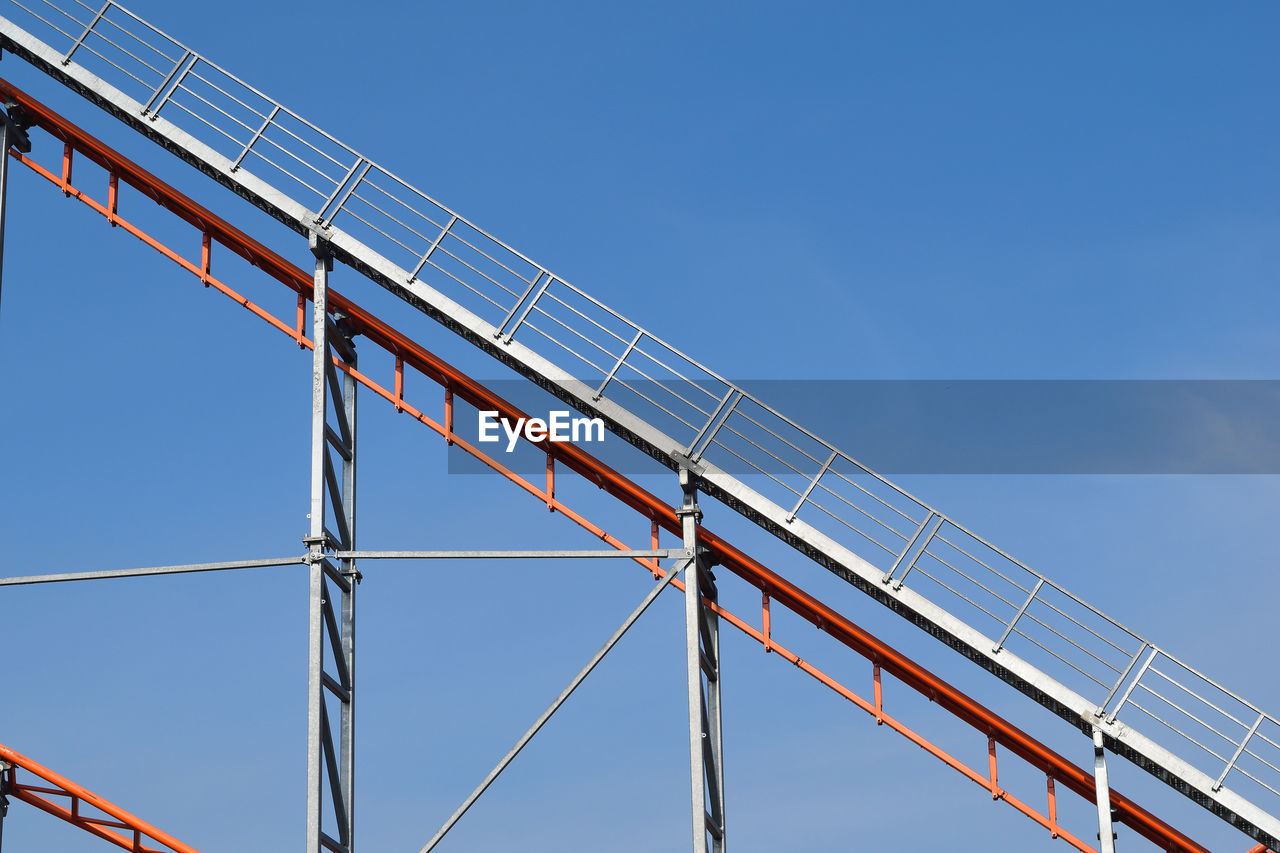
(1106,835)
(12,135)
(330,760)
(4,189)
(4,800)
(702,646)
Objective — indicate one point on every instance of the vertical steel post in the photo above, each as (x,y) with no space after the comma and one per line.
(12,135)
(330,761)
(316,545)
(1106,835)
(4,800)
(4,194)
(702,646)
(352,574)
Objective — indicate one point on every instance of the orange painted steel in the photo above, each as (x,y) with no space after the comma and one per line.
(108,828)
(1057,769)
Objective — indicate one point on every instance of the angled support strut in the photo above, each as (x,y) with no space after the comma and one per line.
(330,760)
(555,706)
(702,647)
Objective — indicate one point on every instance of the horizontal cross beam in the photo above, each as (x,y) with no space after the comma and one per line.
(147,572)
(554,554)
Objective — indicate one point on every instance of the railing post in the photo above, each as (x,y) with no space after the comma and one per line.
(1111,717)
(515,306)
(1244,744)
(702,648)
(66,59)
(333,204)
(707,434)
(528,305)
(253,140)
(912,551)
(435,244)
(621,359)
(1008,629)
(183,65)
(1133,661)
(812,483)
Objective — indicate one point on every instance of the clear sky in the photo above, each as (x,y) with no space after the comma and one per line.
(799,191)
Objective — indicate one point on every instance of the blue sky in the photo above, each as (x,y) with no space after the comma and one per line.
(824,191)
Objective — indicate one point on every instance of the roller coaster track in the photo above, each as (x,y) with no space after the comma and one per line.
(480,270)
(775,591)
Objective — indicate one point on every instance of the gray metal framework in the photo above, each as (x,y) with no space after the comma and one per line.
(1091,670)
(544,554)
(702,659)
(12,135)
(330,760)
(189,568)
(331,559)
(4,790)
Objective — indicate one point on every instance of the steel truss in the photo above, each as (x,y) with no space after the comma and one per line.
(507,305)
(12,135)
(497,298)
(330,760)
(702,649)
(337,320)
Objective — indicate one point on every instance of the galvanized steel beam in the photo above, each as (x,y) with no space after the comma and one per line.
(702,665)
(330,760)
(26,580)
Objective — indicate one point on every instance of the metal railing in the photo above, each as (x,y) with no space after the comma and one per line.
(1213,729)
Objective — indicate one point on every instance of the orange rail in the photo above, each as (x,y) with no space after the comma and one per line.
(997,731)
(107,828)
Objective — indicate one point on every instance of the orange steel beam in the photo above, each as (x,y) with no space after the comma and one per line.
(1058,770)
(108,828)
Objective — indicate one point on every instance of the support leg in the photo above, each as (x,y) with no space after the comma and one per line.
(4,191)
(4,800)
(702,645)
(352,574)
(330,760)
(1106,836)
(12,135)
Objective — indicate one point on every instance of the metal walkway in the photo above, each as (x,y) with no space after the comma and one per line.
(1090,670)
